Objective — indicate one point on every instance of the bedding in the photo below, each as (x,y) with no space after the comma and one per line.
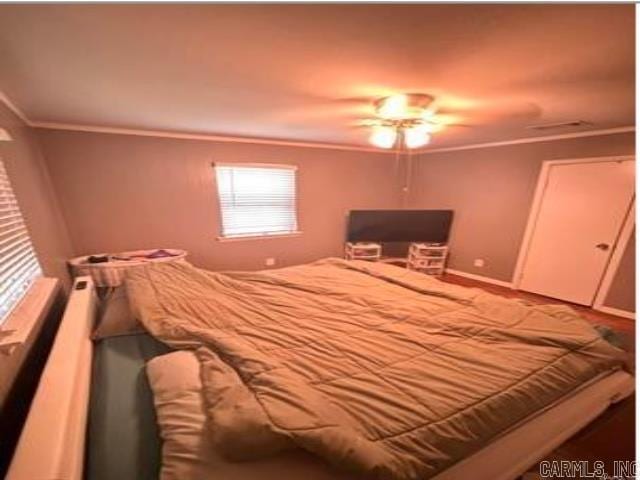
(378,370)
(122,434)
(116,318)
(190,454)
(187,447)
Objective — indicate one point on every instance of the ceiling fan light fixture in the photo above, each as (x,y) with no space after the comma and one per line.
(409,117)
(417,136)
(393,107)
(383,137)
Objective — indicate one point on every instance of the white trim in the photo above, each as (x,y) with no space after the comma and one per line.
(531,222)
(616,311)
(289,143)
(479,278)
(292,143)
(616,257)
(179,135)
(205,137)
(28,314)
(258,236)
(519,141)
(535,210)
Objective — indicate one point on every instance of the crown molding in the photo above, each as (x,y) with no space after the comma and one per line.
(290,143)
(179,135)
(519,141)
(195,136)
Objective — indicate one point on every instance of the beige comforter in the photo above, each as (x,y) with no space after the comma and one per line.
(379,370)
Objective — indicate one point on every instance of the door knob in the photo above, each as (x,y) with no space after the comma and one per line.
(603,246)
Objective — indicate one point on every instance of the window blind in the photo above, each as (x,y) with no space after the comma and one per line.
(257,200)
(18,263)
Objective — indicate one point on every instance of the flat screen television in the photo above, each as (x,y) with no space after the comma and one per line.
(399,226)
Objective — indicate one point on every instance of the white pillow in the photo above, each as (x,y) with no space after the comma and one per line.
(188,452)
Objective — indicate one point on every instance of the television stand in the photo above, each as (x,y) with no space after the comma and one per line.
(429,258)
(363,251)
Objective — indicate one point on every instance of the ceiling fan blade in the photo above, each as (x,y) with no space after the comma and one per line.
(314,108)
(339,114)
(459,125)
(366,123)
(492,111)
(352,100)
(430,111)
(340,102)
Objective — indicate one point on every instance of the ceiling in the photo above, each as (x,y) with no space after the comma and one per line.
(306,72)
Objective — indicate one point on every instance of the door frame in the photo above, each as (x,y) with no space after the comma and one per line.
(618,249)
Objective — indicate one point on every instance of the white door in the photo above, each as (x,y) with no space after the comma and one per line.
(582,211)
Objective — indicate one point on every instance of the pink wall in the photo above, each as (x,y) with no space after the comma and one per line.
(622,293)
(33,188)
(122,192)
(34,191)
(491,190)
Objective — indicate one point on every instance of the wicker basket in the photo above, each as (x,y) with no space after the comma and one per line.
(111,273)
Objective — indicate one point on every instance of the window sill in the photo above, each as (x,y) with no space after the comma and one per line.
(261,236)
(28,314)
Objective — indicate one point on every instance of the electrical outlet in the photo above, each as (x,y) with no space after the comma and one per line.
(270,262)
(478,262)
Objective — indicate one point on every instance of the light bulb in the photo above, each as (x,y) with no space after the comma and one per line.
(393,107)
(383,137)
(417,136)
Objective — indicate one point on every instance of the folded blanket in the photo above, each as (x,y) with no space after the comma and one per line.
(377,369)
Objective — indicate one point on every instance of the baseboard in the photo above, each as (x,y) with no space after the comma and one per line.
(616,311)
(602,308)
(480,278)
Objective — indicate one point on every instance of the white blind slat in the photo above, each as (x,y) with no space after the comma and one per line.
(257,200)
(6,240)
(19,286)
(10,229)
(18,262)
(19,278)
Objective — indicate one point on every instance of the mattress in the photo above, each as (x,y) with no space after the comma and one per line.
(376,369)
(123,440)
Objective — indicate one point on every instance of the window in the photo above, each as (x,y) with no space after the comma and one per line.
(18,263)
(257,200)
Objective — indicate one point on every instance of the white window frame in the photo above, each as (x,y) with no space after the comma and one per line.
(263,235)
(35,300)
(28,313)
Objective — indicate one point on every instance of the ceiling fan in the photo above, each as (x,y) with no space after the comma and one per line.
(403,119)
(410,120)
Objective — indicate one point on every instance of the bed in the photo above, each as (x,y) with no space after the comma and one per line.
(124,441)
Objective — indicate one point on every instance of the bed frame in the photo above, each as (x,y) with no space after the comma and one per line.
(52,444)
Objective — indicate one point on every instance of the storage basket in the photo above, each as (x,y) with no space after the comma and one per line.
(111,273)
